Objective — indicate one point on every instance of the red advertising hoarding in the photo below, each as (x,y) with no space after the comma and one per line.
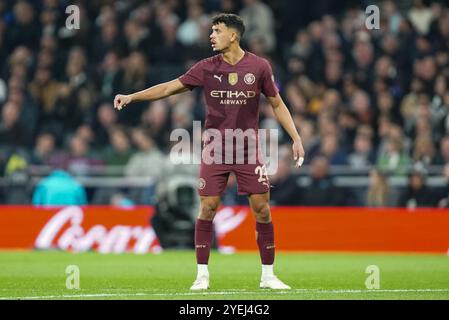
(116,230)
(78,229)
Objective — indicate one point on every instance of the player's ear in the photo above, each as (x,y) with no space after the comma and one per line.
(234,36)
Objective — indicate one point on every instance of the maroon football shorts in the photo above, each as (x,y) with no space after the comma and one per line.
(251,178)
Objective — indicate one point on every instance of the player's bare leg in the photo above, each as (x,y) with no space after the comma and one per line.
(265,240)
(203,240)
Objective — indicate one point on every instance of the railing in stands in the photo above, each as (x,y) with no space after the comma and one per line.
(113,176)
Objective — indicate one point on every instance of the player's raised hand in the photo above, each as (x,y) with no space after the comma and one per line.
(298,153)
(121,101)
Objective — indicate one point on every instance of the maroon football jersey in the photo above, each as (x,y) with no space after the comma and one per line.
(232,92)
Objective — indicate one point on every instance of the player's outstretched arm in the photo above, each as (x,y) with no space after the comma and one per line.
(285,119)
(153,93)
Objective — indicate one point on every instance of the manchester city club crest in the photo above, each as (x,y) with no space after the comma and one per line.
(233,77)
(249,78)
(201,184)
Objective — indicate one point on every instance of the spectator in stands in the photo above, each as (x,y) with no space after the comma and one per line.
(24,29)
(443,196)
(44,148)
(12,132)
(302,47)
(361,105)
(409,102)
(259,23)
(438,109)
(148,161)
(421,16)
(135,76)
(28,110)
(86,132)
(363,55)
(379,192)
(394,160)
(137,36)
(363,155)
(169,50)
(190,31)
(48,52)
(120,150)
(44,89)
(76,95)
(181,117)
(321,191)
(443,156)
(296,99)
(386,106)
(284,189)
(49,19)
(108,39)
(347,123)
(59,189)
(392,15)
(17,178)
(78,160)
(394,132)
(309,136)
(156,121)
(329,148)
(109,75)
(106,120)
(417,194)
(443,126)
(424,150)
(422,125)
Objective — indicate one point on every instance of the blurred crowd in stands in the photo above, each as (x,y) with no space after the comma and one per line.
(370,99)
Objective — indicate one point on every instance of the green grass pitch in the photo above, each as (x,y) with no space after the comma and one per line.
(42,275)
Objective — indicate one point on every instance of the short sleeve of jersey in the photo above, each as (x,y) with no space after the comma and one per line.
(193,77)
(269,88)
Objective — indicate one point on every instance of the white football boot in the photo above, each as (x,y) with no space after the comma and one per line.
(201,283)
(272,282)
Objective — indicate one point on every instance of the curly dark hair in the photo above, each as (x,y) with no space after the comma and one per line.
(230,20)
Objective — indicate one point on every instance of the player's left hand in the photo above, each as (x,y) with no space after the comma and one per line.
(298,153)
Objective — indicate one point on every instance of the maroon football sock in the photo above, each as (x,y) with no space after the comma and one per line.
(265,241)
(203,240)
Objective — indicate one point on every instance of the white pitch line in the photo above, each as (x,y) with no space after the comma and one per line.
(264,292)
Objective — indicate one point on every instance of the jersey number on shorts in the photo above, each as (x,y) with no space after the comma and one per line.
(263,174)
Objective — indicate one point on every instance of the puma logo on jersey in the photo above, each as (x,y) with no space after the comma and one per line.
(218,77)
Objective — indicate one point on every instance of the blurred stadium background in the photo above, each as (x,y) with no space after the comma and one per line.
(371,107)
